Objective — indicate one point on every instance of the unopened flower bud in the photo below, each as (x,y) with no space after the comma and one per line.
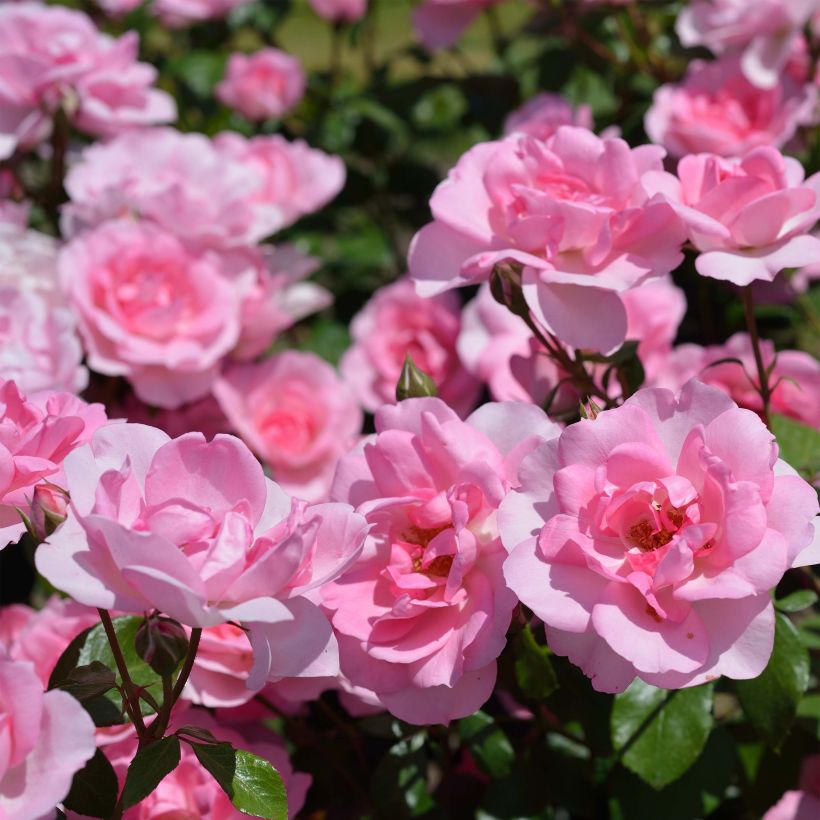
(414,383)
(162,643)
(48,510)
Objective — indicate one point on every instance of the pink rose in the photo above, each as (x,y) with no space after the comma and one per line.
(39,348)
(265,84)
(41,636)
(55,58)
(541,116)
(293,178)
(339,11)
(795,376)
(763,32)
(296,414)
(647,540)
(395,322)
(439,23)
(748,217)
(803,804)
(274,297)
(150,310)
(423,615)
(195,530)
(36,434)
(182,182)
(204,416)
(45,738)
(178,13)
(572,211)
(28,262)
(716,109)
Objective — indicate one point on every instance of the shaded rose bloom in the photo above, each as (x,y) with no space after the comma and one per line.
(748,217)
(55,58)
(296,414)
(293,178)
(28,262)
(794,379)
(423,615)
(395,322)
(648,539)
(195,530)
(36,434)
(39,347)
(273,294)
(764,32)
(178,13)
(439,23)
(339,11)
(182,182)
(542,115)
(41,636)
(204,416)
(45,738)
(267,83)
(803,803)
(572,211)
(150,310)
(716,109)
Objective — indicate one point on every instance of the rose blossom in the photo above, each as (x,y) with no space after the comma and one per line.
(178,13)
(647,539)
(182,182)
(794,379)
(439,23)
(803,803)
(423,615)
(39,348)
(36,434)
(572,211)
(265,84)
(293,178)
(55,58)
(45,738)
(542,115)
(195,530)
(204,416)
(150,310)
(28,262)
(716,109)
(397,322)
(339,11)
(296,414)
(748,217)
(763,32)
(41,636)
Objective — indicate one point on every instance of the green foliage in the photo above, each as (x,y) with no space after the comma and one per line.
(533,669)
(148,768)
(94,789)
(488,743)
(799,444)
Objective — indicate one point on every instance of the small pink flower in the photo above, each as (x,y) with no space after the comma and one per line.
(339,11)
(265,84)
(178,13)
(763,32)
(794,379)
(36,435)
(296,414)
(39,347)
(542,115)
(55,58)
(572,211)
(195,530)
(150,310)
(716,109)
(396,322)
(748,217)
(802,804)
(423,615)
(439,23)
(647,540)
(45,738)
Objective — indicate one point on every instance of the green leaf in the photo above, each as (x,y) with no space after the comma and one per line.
(252,784)
(533,668)
(94,789)
(770,700)
(88,682)
(658,733)
(148,768)
(797,601)
(799,444)
(489,744)
(399,784)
